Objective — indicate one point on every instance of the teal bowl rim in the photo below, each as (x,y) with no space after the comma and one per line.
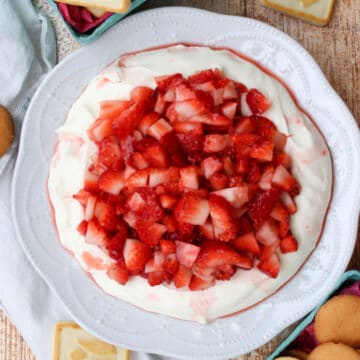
(99,30)
(353,275)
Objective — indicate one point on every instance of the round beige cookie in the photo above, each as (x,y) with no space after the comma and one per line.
(339,321)
(331,351)
(6,130)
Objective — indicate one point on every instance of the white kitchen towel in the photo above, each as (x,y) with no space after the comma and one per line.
(27,53)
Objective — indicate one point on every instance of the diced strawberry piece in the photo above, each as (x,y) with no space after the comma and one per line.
(288,244)
(186,253)
(215,143)
(156,278)
(116,245)
(219,181)
(82,227)
(129,170)
(168,201)
(163,176)
(284,228)
(257,102)
(261,206)
(182,277)
(247,242)
(170,95)
(151,266)
(171,189)
(138,161)
(289,203)
(110,153)
(229,90)
(148,120)
(100,129)
(214,255)
(152,211)
(136,202)
(129,120)
(105,215)
(283,159)
(136,254)
(207,230)
(150,234)
(245,125)
(118,273)
(142,95)
(90,181)
(213,119)
(170,223)
(236,196)
(284,180)
(270,266)
(266,177)
(166,81)
(188,109)
(131,219)
(95,234)
(110,109)
(211,165)
(171,265)
(138,179)
(156,156)
(254,174)
(240,88)
(184,127)
(90,208)
(279,213)
(202,76)
(206,87)
(183,93)
(262,151)
(279,140)
(229,109)
(268,233)
(82,197)
(192,210)
(189,177)
(242,166)
(159,129)
(223,218)
(198,284)
(185,232)
(160,104)
(174,151)
(204,96)
(267,251)
(229,168)
(191,143)
(217,95)
(167,247)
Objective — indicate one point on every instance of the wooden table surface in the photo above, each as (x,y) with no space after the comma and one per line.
(335,47)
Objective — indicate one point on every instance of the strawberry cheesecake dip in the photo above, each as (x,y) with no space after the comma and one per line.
(188,182)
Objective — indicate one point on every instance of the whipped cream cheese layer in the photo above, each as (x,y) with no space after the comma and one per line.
(311,166)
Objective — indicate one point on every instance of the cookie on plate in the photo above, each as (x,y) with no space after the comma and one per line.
(7,130)
(317,12)
(332,351)
(74,343)
(339,321)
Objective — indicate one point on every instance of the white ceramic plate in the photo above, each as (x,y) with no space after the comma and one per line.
(121,323)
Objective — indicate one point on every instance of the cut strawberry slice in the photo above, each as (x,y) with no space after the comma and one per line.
(283,159)
(150,234)
(160,104)
(211,165)
(197,283)
(116,245)
(182,277)
(223,218)
(257,102)
(82,197)
(213,119)
(90,181)
(95,234)
(159,129)
(229,109)
(191,142)
(185,110)
(289,203)
(270,266)
(90,208)
(229,167)
(148,120)
(136,254)
(229,89)
(183,93)
(207,231)
(202,77)
(168,201)
(138,161)
(245,125)
(283,179)
(136,202)
(82,227)
(236,196)
(189,178)
(268,233)
(266,178)
(110,109)
(105,215)
(170,223)
(246,242)
(171,264)
(288,244)
(156,278)
(219,181)
(167,81)
(167,247)
(262,151)
(186,253)
(100,129)
(110,153)
(118,273)
(156,156)
(280,213)
(215,143)
(142,95)
(163,176)
(184,127)
(128,121)
(138,179)
(192,209)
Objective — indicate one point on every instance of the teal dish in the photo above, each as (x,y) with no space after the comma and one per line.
(99,30)
(346,278)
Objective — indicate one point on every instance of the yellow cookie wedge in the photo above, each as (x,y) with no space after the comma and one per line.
(71,342)
(116,6)
(317,12)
